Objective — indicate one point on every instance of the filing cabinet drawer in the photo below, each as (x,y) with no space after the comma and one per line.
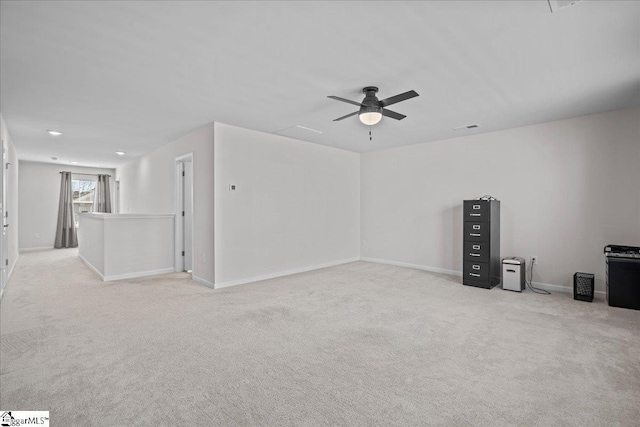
(476,210)
(476,251)
(476,231)
(477,271)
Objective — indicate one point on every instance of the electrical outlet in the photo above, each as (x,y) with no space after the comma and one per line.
(36,236)
(534,259)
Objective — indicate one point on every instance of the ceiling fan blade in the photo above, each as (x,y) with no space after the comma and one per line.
(337,98)
(392,114)
(398,98)
(344,117)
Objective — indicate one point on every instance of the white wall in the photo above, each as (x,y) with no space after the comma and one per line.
(127,245)
(39,187)
(567,188)
(297,205)
(147,185)
(13,205)
(12,198)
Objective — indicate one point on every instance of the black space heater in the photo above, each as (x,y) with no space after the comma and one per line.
(583,284)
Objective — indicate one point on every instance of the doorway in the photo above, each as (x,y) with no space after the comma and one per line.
(184,213)
(116,197)
(4,238)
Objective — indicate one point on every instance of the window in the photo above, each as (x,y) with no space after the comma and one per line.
(83,193)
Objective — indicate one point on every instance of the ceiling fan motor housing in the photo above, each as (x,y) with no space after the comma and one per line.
(370,103)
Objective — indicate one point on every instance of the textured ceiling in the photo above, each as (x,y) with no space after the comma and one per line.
(134,75)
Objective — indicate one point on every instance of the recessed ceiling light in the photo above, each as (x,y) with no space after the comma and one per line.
(73,163)
(121,153)
(54,132)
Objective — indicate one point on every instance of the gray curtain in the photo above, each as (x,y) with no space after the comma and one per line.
(66,236)
(102,202)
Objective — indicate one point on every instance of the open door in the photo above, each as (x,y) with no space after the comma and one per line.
(187,206)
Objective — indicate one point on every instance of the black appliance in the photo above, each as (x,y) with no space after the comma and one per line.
(481,245)
(623,276)
(583,286)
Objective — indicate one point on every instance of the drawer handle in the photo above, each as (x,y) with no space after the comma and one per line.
(510,270)
(476,267)
(472,254)
(475,234)
(476,227)
(474,275)
(476,247)
(476,207)
(474,214)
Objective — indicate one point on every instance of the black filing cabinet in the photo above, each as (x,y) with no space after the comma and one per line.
(481,259)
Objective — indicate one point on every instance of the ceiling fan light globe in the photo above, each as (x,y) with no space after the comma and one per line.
(370,118)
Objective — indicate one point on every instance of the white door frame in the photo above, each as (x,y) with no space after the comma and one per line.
(116,197)
(4,235)
(179,219)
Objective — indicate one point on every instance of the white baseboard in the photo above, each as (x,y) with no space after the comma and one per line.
(126,275)
(553,288)
(15,261)
(41,248)
(202,281)
(416,266)
(139,274)
(283,273)
(13,266)
(95,270)
(546,286)
(565,289)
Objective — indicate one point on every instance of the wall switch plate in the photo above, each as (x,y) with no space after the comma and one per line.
(204,259)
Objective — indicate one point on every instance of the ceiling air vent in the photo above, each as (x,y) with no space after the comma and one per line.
(466,127)
(556,5)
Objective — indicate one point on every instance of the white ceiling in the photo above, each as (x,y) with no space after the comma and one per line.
(134,75)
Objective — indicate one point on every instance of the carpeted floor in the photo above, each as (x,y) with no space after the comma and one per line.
(357,345)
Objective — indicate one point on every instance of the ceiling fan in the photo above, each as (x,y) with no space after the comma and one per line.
(371,109)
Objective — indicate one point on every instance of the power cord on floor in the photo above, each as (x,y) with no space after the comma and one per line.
(530,283)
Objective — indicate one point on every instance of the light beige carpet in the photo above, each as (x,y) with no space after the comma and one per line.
(357,345)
